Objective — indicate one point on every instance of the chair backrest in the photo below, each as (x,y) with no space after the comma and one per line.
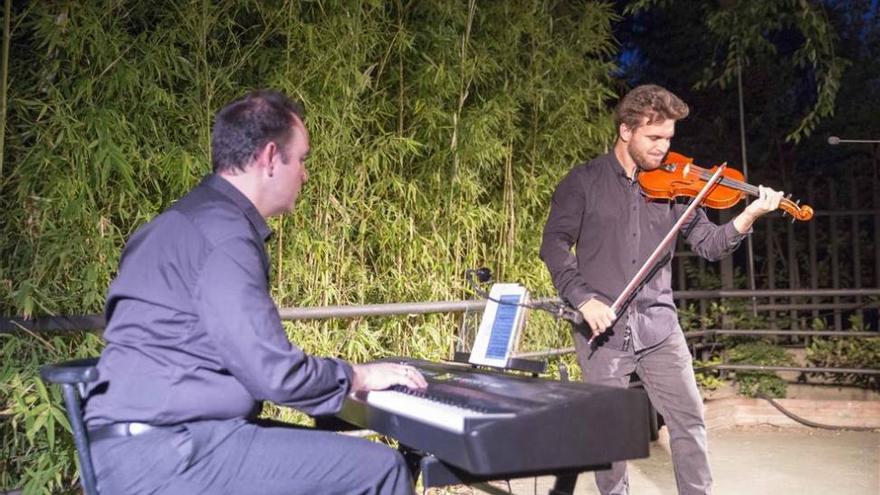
(73,377)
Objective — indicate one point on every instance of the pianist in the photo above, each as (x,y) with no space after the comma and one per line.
(194,341)
(600,208)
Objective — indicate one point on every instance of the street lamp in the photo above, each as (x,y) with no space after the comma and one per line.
(834,141)
(875,157)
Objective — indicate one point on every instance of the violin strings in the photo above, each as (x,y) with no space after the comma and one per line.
(725,181)
(742,186)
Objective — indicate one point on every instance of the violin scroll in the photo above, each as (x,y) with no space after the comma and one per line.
(802,213)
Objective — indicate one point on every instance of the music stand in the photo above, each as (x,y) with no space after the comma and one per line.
(500,331)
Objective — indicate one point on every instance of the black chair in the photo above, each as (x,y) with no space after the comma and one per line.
(73,377)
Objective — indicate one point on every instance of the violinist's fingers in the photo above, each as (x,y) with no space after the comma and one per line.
(769,198)
(767,201)
(775,198)
(762,197)
(763,202)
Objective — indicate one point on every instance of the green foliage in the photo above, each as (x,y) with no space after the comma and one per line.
(36,450)
(847,353)
(724,313)
(708,379)
(745,32)
(730,313)
(439,130)
(759,353)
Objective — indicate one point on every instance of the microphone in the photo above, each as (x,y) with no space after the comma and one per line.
(482,273)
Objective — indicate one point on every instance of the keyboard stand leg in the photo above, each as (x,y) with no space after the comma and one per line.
(413,460)
(564,484)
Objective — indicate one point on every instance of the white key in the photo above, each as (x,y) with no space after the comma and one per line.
(445,416)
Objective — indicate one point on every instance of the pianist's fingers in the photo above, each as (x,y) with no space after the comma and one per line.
(415,378)
(379,376)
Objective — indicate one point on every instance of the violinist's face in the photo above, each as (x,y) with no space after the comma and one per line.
(648,144)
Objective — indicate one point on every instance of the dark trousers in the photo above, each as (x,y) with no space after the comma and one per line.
(236,457)
(666,370)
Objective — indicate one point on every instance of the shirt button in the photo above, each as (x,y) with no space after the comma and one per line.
(634,262)
(634,234)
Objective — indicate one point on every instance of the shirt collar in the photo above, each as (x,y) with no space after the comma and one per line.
(223,186)
(620,172)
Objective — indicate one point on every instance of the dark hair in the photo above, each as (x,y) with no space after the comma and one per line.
(245,125)
(649,101)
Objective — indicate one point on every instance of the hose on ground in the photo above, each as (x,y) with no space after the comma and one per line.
(813,424)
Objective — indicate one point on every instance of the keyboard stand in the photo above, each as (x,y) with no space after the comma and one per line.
(436,473)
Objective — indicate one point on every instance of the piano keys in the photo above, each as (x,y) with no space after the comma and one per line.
(427,407)
(492,424)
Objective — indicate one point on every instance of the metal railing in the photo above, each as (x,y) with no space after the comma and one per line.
(97,322)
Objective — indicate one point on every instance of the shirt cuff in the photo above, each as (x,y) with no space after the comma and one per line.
(734,236)
(344,373)
(581,295)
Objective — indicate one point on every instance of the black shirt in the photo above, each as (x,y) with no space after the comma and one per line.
(615,229)
(192,331)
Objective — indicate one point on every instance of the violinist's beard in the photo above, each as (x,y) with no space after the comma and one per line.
(643,160)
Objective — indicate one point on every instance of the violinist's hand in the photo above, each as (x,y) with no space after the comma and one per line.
(768,200)
(379,376)
(597,315)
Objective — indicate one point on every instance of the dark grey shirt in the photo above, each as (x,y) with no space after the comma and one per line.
(192,331)
(615,228)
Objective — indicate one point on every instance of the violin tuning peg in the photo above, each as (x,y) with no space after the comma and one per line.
(788,196)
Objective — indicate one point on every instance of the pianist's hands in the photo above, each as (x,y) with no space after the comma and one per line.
(597,315)
(379,376)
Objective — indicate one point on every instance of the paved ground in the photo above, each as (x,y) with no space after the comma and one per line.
(754,461)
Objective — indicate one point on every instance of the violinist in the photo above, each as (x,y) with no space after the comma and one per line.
(600,209)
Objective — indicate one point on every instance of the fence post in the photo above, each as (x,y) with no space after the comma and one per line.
(876,194)
(771,267)
(833,243)
(794,276)
(793,267)
(855,239)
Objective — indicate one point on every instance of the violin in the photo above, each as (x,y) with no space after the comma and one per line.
(678,176)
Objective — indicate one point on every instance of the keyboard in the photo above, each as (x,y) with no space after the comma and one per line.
(496,424)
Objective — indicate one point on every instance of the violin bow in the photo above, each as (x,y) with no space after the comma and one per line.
(630,290)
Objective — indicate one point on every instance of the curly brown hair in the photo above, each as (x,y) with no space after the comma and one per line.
(649,101)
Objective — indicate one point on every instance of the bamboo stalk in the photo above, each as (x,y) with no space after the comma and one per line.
(7,14)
